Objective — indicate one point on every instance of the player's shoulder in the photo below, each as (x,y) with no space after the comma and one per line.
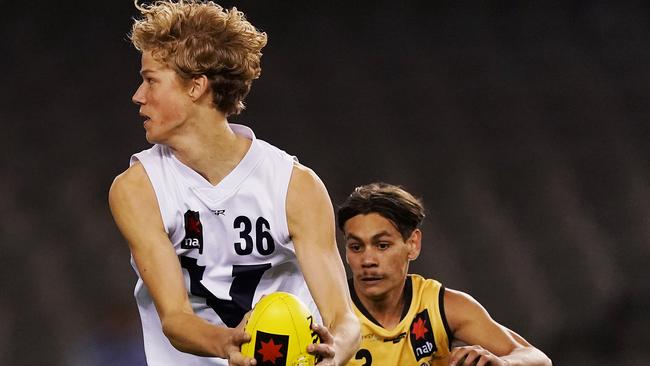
(307,197)
(130,183)
(304,180)
(457,298)
(133,175)
(461,306)
(303,172)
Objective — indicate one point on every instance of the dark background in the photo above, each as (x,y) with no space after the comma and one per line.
(523,127)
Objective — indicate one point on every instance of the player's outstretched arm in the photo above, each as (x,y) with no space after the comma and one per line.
(487,341)
(135,210)
(311,224)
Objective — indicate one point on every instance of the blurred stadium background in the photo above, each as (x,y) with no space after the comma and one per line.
(524,128)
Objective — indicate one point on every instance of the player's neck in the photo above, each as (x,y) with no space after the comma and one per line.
(387,310)
(211,148)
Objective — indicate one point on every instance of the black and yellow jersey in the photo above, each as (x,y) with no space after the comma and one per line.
(422,337)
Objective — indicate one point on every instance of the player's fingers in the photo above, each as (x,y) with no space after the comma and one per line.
(324,355)
(483,361)
(457,356)
(326,362)
(237,338)
(244,320)
(323,333)
(237,359)
(322,349)
(241,337)
(470,358)
(460,361)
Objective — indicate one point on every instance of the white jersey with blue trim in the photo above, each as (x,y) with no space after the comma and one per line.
(232,240)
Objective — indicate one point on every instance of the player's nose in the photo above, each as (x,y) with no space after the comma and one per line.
(138,96)
(369,259)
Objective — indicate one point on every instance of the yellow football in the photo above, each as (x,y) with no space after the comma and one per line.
(280,330)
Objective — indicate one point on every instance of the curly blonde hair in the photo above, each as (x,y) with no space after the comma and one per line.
(202,38)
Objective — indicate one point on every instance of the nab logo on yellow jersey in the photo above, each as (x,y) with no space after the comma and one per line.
(421,336)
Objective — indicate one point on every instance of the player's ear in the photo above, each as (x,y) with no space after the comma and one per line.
(199,86)
(414,243)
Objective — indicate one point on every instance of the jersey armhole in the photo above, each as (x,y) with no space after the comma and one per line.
(443,316)
(157,192)
(282,200)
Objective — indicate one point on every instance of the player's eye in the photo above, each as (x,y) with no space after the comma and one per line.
(147,79)
(383,245)
(354,247)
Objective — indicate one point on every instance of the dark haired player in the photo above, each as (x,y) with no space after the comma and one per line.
(407,319)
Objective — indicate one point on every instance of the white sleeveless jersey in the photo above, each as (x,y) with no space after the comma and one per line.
(232,240)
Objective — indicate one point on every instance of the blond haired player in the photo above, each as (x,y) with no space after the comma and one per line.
(214,217)
(407,319)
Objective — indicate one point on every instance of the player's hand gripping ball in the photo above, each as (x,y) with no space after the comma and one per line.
(280,330)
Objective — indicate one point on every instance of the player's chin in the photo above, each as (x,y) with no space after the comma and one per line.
(153,137)
(372,290)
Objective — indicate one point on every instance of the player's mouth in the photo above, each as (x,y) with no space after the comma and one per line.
(145,118)
(371,279)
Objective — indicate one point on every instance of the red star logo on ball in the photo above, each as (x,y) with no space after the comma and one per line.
(270,351)
(419,328)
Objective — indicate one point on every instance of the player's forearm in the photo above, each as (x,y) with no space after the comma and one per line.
(347,337)
(527,356)
(190,334)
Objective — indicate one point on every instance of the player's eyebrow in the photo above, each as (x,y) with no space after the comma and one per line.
(381,235)
(144,72)
(377,236)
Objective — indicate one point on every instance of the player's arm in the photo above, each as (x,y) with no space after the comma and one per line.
(310,217)
(487,341)
(135,210)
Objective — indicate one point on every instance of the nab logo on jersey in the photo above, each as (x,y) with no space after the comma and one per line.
(421,336)
(271,349)
(193,232)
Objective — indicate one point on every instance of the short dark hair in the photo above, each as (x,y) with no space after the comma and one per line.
(391,202)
